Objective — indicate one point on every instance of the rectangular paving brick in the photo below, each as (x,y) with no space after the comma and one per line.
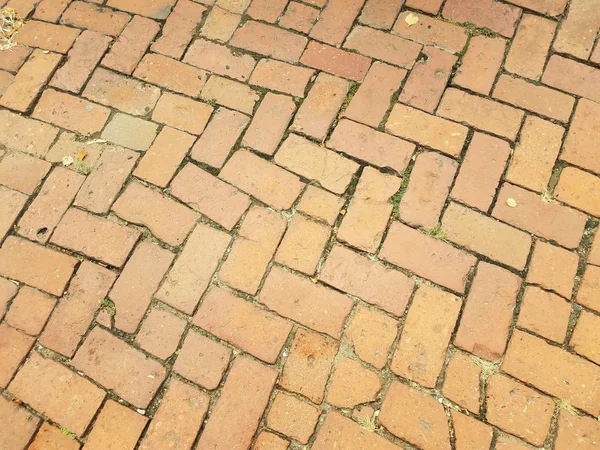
(35,265)
(482,234)
(236,414)
(262,179)
(210,196)
(480,64)
(336,61)
(14,347)
(269,123)
(56,195)
(70,144)
(20,424)
(26,135)
(47,36)
(335,21)
(320,204)
(84,15)
(220,24)
(138,281)
(29,310)
(163,158)
(131,45)
(131,132)
(238,321)
(231,94)
(573,77)
(50,388)
(498,17)
(299,17)
(431,131)
(321,106)
(427,331)
(427,257)
(579,147)
(269,41)
(574,188)
(315,306)
(119,367)
(380,13)
(11,204)
(550,7)
(50,10)
(430,6)
(157,9)
(577,31)
(116,425)
(75,311)
(81,61)
(30,80)
(95,237)
(219,59)
(432,31)
(171,74)
(182,113)
(258,238)
(179,28)
(339,431)
(14,59)
(374,96)
(190,275)
(283,77)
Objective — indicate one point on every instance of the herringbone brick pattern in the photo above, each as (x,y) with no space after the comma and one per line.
(303,224)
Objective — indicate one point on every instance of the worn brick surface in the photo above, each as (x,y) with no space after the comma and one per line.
(480,64)
(269,123)
(116,425)
(461,382)
(293,417)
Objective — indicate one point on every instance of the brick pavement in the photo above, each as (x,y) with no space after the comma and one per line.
(312,224)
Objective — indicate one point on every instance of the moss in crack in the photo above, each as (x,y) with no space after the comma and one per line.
(437,232)
(109,306)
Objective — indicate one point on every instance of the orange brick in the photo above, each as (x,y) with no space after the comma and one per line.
(582,137)
(236,6)
(461,381)
(270,441)
(69,144)
(283,77)
(427,80)
(84,15)
(352,384)
(161,332)
(553,268)
(321,107)
(575,428)
(484,235)
(51,438)
(219,59)
(210,196)
(427,257)
(116,425)
(480,64)
(220,24)
(428,130)
(157,9)
(470,433)
(178,29)
(231,94)
(12,60)
(578,30)
(380,13)
(340,432)
(335,61)
(320,204)
(29,310)
(22,172)
(425,336)
(25,135)
(584,339)
(11,204)
(312,305)
(293,417)
(269,41)
(530,47)
(579,189)
(385,288)
(550,7)
(432,31)
(507,442)
(7,291)
(182,113)
(5,81)
(549,220)
(267,10)
(47,36)
(573,77)
(498,17)
(50,10)
(171,74)
(335,21)
(544,313)
(594,252)
(131,132)
(430,6)
(427,190)
(14,347)
(590,288)
(306,368)
(298,16)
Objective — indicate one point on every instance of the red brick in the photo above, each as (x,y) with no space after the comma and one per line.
(315,306)
(544,313)
(210,196)
(131,45)
(372,100)
(579,189)
(125,94)
(55,197)
(24,134)
(171,74)
(415,417)
(19,425)
(380,13)
(577,32)
(157,9)
(267,10)
(596,54)
(461,381)
(52,438)
(57,392)
(14,347)
(340,432)
(137,283)
(194,268)
(590,288)
(178,418)
(550,7)
(573,77)
(293,417)
(269,41)
(35,265)
(283,77)
(50,10)
(480,64)
(269,441)
(236,6)
(554,268)
(71,112)
(236,415)
(5,81)
(308,364)
(219,59)
(372,282)
(430,6)
(105,21)
(573,428)
(178,29)
(470,433)
(377,148)
(499,17)
(432,31)
(549,220)
(352,384)
(47,36)
(335,21)
(431,131)
(427,257)
(160,333)
(320,204)
(299,17)
(202,360)
(428,188)
(518,409)
(482,166)
(583,134)
(70,144)
(427,81)
(182,113)
(594,252)
(30,80)
(333,171)
(13,58)
(584,339)
(30,310)
(262,179)
(485,114)
(231,94)
(335,61)
(484,235)
(303,244)
(131,132)
(116,427)
(425,336)
(530,47)
(371,334)
(220,24)
(269,123)
(7,291)
(22,172)
(11,204)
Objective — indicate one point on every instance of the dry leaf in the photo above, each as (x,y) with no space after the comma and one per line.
(411,19)
(81,155)
(67,161)
(511,202)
